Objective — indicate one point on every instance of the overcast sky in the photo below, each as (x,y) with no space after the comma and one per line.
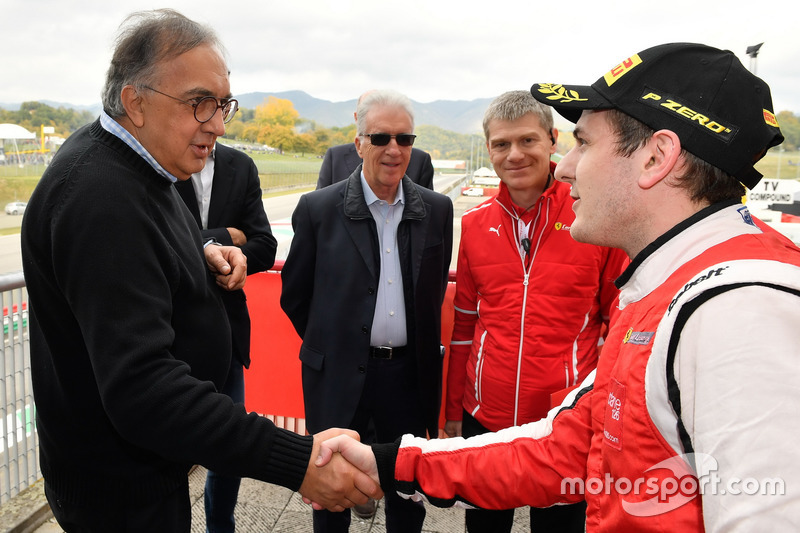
(427,49)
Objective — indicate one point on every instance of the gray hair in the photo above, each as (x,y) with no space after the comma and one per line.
(382,98)
(513,105)
(147,38)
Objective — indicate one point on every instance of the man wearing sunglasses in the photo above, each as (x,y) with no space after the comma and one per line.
(363,286)
(337,165)
(340,161)
(129,338)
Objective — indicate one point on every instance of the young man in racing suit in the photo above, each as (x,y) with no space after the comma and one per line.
(690,421)
(531,303)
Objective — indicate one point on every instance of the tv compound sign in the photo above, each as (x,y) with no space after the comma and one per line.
(775,192)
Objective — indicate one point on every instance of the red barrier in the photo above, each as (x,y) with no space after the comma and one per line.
(272,383)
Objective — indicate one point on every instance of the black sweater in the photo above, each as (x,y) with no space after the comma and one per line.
(129,341)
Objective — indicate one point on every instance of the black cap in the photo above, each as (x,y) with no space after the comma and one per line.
(721,112)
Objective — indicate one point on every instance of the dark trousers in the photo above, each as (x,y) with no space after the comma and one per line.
(556,519)
(390,401)
(222,492)
(170,514)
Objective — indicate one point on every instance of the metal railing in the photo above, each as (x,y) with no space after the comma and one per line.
(19,443)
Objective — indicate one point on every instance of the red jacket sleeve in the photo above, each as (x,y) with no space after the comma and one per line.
(517,466)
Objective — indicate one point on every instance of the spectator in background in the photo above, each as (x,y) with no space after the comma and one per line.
(129,338)
(363,285)
(225,200)
(531,303)
(340,161)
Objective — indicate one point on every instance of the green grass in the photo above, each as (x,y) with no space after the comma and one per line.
(11,231)
(17,184)
(277,172)
(776,161)
(286,171)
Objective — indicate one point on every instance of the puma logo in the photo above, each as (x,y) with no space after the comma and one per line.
(496,230)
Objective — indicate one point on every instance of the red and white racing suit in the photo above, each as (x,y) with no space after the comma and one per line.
(700,369)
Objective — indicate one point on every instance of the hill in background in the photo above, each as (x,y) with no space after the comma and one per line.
(460,116)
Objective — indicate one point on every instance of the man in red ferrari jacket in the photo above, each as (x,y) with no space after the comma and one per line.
(531,303)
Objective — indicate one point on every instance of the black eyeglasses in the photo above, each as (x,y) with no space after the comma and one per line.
(205,107)
(382,139)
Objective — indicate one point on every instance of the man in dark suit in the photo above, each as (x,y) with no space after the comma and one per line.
(337,165)
(340,161)
(363,285)
(225,199)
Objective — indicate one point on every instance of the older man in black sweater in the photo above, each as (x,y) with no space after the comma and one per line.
(129,340)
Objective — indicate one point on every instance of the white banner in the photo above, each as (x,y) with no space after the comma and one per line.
(775,192)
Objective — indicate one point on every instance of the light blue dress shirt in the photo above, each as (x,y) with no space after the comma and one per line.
(389,322)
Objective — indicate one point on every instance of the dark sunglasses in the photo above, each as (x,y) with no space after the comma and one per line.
(382,139)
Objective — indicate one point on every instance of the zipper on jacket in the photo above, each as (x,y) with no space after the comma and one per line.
(527,264)
(526,261)
(521,345)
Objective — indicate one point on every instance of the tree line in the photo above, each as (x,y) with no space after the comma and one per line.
(277,124)
(33,115)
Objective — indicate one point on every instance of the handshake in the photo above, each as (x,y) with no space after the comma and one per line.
(342,472)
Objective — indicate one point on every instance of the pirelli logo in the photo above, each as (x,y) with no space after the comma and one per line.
(770,119)
(620,70)
(674,106)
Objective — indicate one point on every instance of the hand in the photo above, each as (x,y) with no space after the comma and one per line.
(335,484)
(228,264)
(237,236)
(357,454)
(452,428)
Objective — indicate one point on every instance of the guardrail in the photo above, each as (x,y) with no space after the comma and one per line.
(19,445)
